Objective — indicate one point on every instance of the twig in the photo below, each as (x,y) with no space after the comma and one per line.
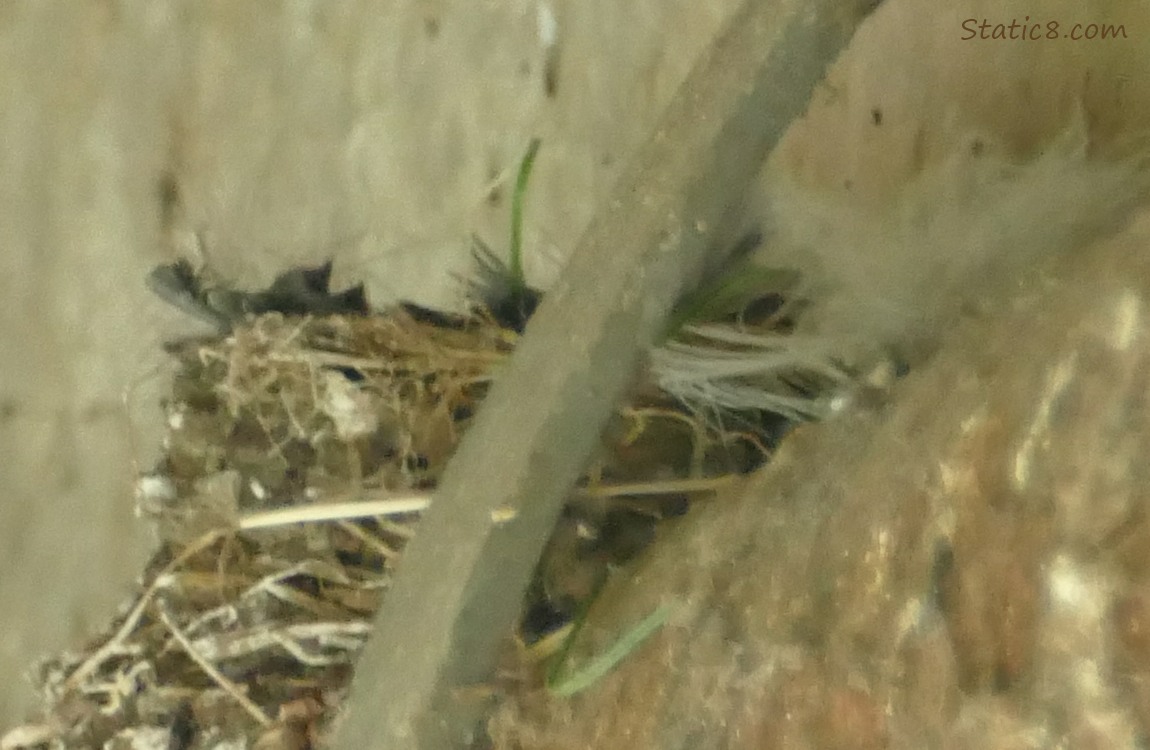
(660,487)
(209,669)
(345,636)
(392,506)
(93,662)
(384,549)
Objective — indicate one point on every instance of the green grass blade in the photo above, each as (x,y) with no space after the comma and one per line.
(729,294)
(518,278)
(566,685)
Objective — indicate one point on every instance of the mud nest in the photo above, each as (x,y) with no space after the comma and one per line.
(299,451)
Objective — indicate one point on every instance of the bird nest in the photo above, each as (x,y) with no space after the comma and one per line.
(299,452)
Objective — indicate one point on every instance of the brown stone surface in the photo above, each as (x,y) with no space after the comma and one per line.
(951,569)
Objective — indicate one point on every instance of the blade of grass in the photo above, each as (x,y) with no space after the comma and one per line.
(564,684)
(518,278)
(729,294)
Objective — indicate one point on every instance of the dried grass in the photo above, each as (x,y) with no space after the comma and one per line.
(299,454)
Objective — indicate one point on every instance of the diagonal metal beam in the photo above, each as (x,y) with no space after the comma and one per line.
(460,584)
